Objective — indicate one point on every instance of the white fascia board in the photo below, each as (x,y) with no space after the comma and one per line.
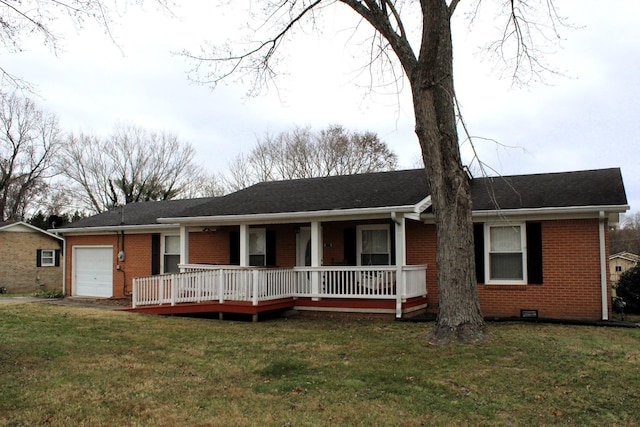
(286,217)
(116,228)
(422,205)
(546,213)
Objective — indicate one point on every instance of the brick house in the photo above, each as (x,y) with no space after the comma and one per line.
(358,243)
(31,258)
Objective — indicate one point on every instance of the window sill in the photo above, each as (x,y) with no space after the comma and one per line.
(505,287)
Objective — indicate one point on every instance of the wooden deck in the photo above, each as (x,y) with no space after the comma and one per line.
(225,289)
(302,304)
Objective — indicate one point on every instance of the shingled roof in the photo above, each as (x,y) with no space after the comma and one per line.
(141,213)
(601,187)
(406,188)
(381,189)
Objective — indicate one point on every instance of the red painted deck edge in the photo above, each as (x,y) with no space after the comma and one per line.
(241,307)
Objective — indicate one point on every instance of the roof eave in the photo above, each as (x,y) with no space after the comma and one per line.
(546,211)
(279,217)
(114,228)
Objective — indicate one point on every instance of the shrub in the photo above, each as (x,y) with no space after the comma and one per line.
(628,289)
(52,293)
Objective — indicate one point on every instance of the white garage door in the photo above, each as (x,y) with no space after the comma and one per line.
(93,272)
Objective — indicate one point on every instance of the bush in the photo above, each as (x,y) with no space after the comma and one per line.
(628,289)
(53,293)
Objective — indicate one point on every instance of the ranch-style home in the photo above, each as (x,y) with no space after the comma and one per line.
(359,243)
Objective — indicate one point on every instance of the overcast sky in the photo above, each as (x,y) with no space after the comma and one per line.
(586,119)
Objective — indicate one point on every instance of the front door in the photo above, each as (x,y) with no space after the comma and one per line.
(303,247)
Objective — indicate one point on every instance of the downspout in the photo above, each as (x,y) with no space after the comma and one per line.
(119,267)
(64,267)
(604,283)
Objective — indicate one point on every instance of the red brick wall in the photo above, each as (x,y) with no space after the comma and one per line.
(285,245)
(571,276)
(210,247)
(571,273)
(421,249)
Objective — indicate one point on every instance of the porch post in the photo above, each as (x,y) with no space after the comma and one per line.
(184,245)
(244,245)
(316,257)
(401,260)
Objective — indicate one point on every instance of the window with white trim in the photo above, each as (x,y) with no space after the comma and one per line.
(257,247)
(505,246)
(171,254)
(374,245)
(47,258)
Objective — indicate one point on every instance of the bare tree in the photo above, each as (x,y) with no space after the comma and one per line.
(301,153)
(29,139)
(626,237)
(425,61)
(38,18)
(131,165)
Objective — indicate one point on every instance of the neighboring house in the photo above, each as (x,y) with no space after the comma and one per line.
(31,258)
(358,243)
(619,263)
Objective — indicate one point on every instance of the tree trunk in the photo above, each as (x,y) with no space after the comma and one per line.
(459,316)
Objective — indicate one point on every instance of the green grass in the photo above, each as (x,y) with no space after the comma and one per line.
(64,365)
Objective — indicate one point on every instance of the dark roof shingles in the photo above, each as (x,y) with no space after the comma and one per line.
(141,213)
(397,188)
(603,187)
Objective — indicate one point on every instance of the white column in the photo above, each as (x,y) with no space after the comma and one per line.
(401,260)
(184,245)
(316,256)
(244,245)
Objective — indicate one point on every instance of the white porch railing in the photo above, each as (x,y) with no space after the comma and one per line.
(200,283)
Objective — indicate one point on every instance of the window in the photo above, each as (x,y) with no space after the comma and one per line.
(374,245)
(257,247)
(506,255)
(171,254)
(618,269)
(47,258)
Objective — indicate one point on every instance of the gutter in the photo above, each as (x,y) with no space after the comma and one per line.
(287,216)
(116,228)
(567,210)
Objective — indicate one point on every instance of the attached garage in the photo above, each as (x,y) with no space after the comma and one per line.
(93,271)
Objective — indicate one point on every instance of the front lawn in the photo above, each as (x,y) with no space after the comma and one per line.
(63,365)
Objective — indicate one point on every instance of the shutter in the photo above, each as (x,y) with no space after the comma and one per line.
(478,241)
(155,254)
(534,253)
(38,257)
(350,248)
(271,248)
(234,248)
(56,257)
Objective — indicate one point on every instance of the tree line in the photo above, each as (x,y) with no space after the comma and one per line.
(51,177)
